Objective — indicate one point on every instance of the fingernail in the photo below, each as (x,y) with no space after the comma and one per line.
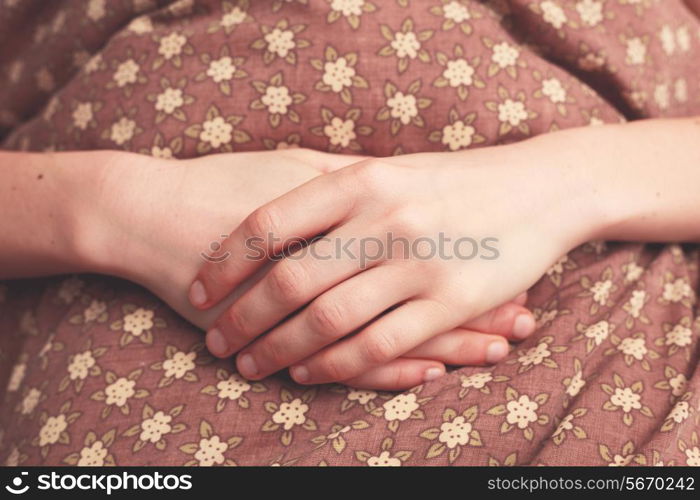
(216,342)
(247,366)
(523,326)
(198,295)
(496,351)
(300,373)
(432,374)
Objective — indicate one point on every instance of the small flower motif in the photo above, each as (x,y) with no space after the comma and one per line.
(554,90)
(140,25)
(351,10)
(400,407)
(636,50)
(677,290)
(222,70)
(634,347)
(511,111)
(456,431)
(122,130)
(504,57)
(126,73)
(154,426)
(17,376)
(455,13)
(95,452)
(386,458)
(553,14)
(277,99)
(232,387)
(289,414)
(339,74)
(96,9)
(405,44)
(281,41)
(625,398)
(171,48)
(341,131)
(80,365)
(678,384)
(30,401)
(459,72)
(590,12)
(521,411)
(600,291)
(137,323)
(403,108)
(575,383)
(54,428)
(217,132)
(622,459)
(180,365)
(82,115)
(567,426)
(210,450)
(362,396)
(459,133)
(595,334)
(233,16)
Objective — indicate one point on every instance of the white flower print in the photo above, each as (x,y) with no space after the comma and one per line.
(118,392)
(668,40)
(291,414)
(164,153)
(457,135)
(456,432)
(505,54)
(662,95)
(683,38)
(340,132)
(553,89)
(94,310)
(405,44)
(138,321)
(216,132)
(553,14)
(680,90)
(122,130)
(633,272)
(400,407)
(126,73)
(598,331)
(384,460)
(169,100)
(16,377)
(211,451)
(456,12)
(277,99)
(153,429)
(535,355)
(636,51)
(93,456)
(171,45)
(82,115)
(680,335)
(403,106)
(591,11)
(512,112)
(601,291)
(348,7)
(337,74)
(221,69)
(232,18)
(564,425)
(52,429)
(232,388)
(693,456)
(678,384)
(636,302)
(80,365)
(680,412)
(576,384)
(141,25)
(522,412)
(30,401)
(477,380)
(458,72)
(627,399)
(635,347)
(280,42)
(361,396)
(677,290)
(96,9)
(179,364)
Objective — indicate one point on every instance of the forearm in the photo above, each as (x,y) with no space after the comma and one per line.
(48,221)
(638,181)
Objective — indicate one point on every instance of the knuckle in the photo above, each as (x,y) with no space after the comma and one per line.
(238,322)
(371,175)
(262,222)
(326,318)
(332,369)
(274,353)
(287,282)
(407,221)
(380,347)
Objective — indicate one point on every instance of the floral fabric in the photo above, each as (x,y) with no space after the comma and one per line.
(98,371)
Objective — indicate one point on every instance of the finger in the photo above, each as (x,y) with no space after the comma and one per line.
(304,212)
(509,320)
(334,314)
(290,284)
(398,375)
(383,340)
(462,347)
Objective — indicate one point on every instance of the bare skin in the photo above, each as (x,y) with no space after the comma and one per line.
(149,221)
(540,198)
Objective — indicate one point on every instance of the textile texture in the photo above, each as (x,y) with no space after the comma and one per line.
(96,370)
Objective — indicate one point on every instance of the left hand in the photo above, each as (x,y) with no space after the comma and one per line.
(517,209)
